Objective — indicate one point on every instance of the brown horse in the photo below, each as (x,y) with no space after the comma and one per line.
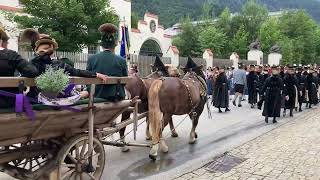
(174,96)
(138,87)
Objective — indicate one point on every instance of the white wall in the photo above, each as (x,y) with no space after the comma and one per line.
(11,3)
(11,30)
(138,38)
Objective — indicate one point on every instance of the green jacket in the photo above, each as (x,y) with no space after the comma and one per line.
(109,64)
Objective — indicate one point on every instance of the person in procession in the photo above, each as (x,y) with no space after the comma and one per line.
(221,92)
(302,86)
(107,62)
(252,80)
(311,89)
(240,81)
(10,61)
(272,89)
(291,91)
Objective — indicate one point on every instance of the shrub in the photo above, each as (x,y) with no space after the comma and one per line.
(53,80)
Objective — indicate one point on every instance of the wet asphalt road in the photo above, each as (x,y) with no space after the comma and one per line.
(216,136)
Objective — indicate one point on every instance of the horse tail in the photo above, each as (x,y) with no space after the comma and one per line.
(155,114)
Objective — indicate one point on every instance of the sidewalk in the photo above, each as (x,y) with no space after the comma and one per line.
(291,151)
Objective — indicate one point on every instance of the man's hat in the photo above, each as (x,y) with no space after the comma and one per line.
(36,39)
(3,35)
(274,67)
(191,65)
(251,65)
(290,67)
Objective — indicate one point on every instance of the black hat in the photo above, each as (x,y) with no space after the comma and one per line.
(290,67)
(109,35)
(158,65)
(191,65)
(252,65)
(274,67)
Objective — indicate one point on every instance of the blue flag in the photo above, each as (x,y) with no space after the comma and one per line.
(123,49)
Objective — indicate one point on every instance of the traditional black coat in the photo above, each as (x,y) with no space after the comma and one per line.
(302,86)
(291,89)
(221,95)
(272,89)
(252,80)
(311,86)
(260,82)
(10,61)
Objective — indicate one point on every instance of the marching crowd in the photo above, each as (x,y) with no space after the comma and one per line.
(269,87)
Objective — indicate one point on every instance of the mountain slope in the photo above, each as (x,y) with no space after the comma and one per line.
(171,11)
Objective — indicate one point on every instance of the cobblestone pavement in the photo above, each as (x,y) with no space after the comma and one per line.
(291,151)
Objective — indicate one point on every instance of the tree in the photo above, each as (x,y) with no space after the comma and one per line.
(73,23)
(239,42)
(301,29)
(252,16)
(188,41)
(134,20)
(224,22)
(214,39)
(269,34)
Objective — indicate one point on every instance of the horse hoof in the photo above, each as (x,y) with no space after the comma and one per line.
(152,157)
(125,149)
(196,135)
(192,141)
(174,135)
(148,138)
(163,147)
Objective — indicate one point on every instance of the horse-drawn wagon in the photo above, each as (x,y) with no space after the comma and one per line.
(65,143)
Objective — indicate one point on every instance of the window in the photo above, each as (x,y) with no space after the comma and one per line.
(93,49)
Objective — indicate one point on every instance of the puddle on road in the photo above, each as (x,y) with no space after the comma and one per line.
(146,168)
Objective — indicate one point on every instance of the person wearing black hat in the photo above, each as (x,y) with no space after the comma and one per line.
(272,90)
(252,80)
(10,61)
(108,63)
(311,90)
(291,91)
(302,86)
(221,92)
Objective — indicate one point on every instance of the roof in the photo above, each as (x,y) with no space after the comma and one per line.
(9,8)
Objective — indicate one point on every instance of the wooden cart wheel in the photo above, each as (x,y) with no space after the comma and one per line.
(30,165)
(73,160)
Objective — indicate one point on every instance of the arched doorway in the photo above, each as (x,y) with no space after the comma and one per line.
(150,48)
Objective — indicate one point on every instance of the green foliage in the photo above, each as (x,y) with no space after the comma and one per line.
(270,34)
(240,42)
(73,23)
(134,20)
(53,80)
(188,41)
(212,38)
(252,16)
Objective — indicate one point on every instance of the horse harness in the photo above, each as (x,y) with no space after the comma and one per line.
(203,93)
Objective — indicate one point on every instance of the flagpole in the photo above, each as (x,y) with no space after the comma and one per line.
(125,41)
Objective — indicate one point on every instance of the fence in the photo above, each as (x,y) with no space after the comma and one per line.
(144,62)
(79,59)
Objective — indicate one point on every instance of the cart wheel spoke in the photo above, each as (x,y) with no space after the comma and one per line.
(77,152)
(91,176)
(72,158)
(70,172)
(69,165)
(84,147)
